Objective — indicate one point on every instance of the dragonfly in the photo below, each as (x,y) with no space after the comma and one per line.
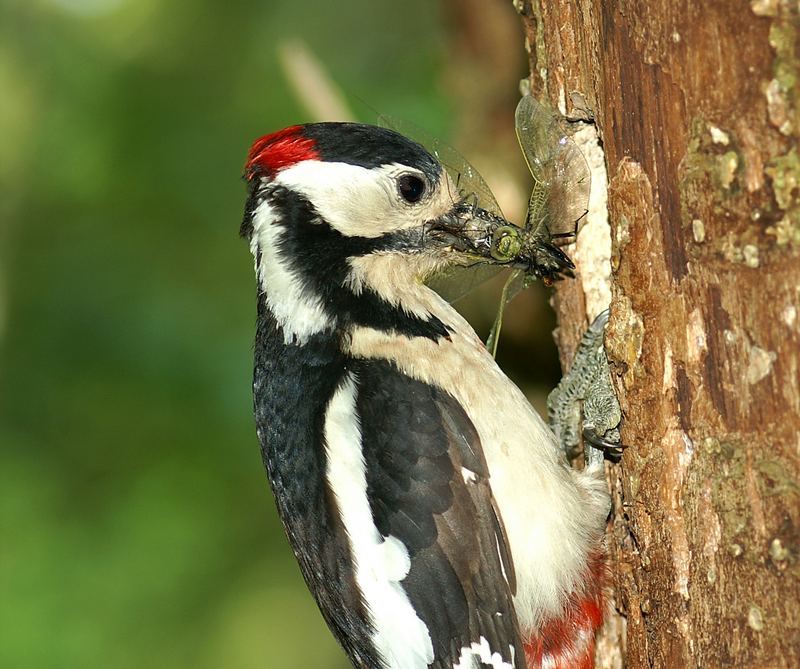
(558,203)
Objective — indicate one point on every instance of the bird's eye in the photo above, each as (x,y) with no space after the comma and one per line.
(411,188)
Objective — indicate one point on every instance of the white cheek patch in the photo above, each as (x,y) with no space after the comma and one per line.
(400,636)
(360,202)
(352,199)
(298,312)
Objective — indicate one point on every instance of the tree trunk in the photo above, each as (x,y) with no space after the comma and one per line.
(696,106)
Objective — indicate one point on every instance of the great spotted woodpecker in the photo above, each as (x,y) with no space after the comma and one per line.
(432,513)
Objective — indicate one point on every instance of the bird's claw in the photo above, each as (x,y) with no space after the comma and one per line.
(610,445)
(584,402)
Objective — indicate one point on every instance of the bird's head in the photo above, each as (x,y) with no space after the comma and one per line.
(341,211)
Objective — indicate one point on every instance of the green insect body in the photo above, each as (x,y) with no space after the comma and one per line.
(506,244)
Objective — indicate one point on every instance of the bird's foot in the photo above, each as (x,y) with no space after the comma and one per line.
(584,403)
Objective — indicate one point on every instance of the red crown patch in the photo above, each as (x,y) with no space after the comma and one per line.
(279,150)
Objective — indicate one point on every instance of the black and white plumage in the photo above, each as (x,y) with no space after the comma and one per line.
(428,505)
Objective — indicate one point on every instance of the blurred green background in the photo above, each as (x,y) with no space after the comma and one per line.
(136,525)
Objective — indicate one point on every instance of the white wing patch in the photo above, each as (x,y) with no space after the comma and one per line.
(481,651)
(400,636)
(298,312)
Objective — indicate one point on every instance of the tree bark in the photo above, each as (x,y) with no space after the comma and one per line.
(696,107)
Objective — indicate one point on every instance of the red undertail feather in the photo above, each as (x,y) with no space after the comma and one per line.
(271,153)
(568,642)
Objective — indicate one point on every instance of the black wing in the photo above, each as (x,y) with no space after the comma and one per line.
(427,483)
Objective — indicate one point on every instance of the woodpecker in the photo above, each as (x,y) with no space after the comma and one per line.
(431,511)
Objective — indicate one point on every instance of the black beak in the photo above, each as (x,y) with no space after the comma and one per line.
(476,235)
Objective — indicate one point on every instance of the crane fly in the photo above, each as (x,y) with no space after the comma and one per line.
(559,200)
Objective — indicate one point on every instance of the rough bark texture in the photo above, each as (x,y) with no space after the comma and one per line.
(696,106)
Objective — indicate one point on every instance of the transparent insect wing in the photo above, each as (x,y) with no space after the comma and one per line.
(516,282)
(467,179)
(455,282)
(560,194)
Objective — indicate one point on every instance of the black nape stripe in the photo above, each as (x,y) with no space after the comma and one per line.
(319,254)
